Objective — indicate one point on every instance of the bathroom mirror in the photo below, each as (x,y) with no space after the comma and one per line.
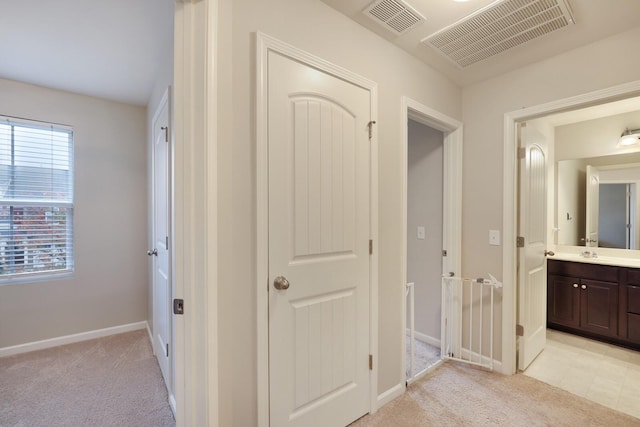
(597,203)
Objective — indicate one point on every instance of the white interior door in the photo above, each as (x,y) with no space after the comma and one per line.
(319,216)
(593,206)
(532,292)
(160,250)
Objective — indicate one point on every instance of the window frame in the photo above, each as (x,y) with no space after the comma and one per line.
(51,203)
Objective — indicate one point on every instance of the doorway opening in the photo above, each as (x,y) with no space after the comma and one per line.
(614,224)
(600,114)
(431,205)
(425,155)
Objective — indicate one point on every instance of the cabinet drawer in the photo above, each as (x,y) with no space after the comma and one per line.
(633,327)
(633,299)
(604,273)
(633,276)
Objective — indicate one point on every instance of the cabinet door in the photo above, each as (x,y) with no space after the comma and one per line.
(599,307)
(633,327)
(563,301)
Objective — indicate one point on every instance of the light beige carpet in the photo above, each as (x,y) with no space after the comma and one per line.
(459,395)
(111,381)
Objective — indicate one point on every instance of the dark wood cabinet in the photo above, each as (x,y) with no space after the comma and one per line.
(630,306)
(598,301)
(563,300)
(599,307)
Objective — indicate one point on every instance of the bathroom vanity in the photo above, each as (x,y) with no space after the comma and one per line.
(592,299)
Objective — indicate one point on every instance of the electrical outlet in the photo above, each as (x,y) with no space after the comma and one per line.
(494,237)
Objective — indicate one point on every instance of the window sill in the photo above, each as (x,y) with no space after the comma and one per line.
(37,277)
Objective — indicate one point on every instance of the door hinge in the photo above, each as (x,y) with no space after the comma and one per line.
(444,252)
(371,362)
(519,242)
(520,330)
(167,352)
(370,247)
(522,152)
(166,242)
(370,125)
(166,133)
(178,306)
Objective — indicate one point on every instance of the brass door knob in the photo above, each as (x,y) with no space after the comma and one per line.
(281,283)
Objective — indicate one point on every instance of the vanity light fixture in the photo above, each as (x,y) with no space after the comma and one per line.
(629,137)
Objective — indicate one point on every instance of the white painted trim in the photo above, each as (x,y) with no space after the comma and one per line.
(373,266)
(394,392)
(262,226)
(452,192)
(264,44)
(424,338)
(70,339)
(211,220)
(195,238)
(148,328)
(510,199)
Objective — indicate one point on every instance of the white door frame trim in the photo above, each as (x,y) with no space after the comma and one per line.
(452,193)
(194,238)
(510,200)
(264,44)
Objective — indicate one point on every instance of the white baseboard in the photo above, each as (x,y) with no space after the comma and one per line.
(389,395)
(153,348)
(70,339)
(425,338)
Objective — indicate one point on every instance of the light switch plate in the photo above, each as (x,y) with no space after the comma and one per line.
(494,237)
(421,232)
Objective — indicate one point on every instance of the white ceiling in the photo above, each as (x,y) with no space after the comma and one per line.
(107,48)
(594,20)
(110,48)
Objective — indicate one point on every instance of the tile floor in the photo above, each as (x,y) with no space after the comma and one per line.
(604,373)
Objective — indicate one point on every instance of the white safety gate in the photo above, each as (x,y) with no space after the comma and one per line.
(467,319)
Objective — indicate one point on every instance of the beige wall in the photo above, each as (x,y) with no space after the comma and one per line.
(594,138)
(109,287)
(318,29)
(424,208)
(484,104)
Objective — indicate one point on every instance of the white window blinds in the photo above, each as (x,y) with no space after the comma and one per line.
(36,198)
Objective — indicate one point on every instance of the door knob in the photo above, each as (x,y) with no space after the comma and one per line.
(281,283)
(549,253)
(575,285)
(153,252)
(584,286)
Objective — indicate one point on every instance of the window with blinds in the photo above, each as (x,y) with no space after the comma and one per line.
(36,199)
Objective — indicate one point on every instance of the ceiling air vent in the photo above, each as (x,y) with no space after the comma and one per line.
(498,27)
(396,16)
